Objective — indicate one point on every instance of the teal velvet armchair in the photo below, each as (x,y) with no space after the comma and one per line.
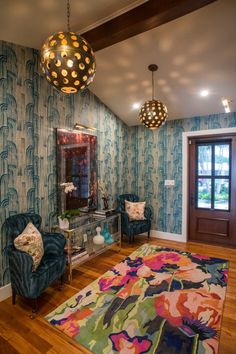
(132,228)
(24,281)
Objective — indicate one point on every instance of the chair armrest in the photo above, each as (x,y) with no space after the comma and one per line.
(148,213)
(21,263)
(53,243)
(124,217)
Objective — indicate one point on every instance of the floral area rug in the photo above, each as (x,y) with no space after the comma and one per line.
(157,300)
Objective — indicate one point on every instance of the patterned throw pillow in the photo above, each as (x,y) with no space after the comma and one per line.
(30,241)
(135,210)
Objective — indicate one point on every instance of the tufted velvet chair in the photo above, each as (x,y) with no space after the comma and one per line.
(24,282)
(132,228)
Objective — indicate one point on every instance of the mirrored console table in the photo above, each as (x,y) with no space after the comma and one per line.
(81,244)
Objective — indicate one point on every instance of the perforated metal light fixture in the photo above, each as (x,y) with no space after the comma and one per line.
(67,60)
(153,113)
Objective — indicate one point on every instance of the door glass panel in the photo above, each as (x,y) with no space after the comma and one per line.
(204,160)
(204,193)
(221,199)
(222,160)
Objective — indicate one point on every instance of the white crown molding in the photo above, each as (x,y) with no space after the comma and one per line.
(5,292)
(113,15)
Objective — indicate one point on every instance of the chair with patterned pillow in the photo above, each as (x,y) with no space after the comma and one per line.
(27,281)
(131,227)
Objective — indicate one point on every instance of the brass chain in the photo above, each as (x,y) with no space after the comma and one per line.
(152,85)
(68,15)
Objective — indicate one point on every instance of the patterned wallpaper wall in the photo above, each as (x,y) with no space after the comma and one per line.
(156,155)
(30,109)
(129,159)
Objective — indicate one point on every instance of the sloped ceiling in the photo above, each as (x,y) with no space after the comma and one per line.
(194,52)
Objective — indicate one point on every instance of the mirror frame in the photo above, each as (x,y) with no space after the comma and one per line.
(66,139)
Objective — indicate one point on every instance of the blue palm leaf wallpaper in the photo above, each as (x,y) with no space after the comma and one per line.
(30,109)
(130,159)
(156,155)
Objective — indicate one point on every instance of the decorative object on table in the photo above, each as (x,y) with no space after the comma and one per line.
(91,200)
(102,188)
(104,212)
(130,227)
(98,239)
(24,281)
(64,224)
(176,299)
(106,234)
(68,187)
(153,113)
(67,60)
(75,254)
(65,217)
(84,210)
(105,203)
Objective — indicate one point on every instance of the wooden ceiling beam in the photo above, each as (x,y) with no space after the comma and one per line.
(145,17)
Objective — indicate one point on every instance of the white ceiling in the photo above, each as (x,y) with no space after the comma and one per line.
(193,52)
(30,22)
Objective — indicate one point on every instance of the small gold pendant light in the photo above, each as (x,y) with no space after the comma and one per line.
(153,113)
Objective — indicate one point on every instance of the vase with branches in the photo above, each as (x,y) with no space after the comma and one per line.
(102,189)
(65,215)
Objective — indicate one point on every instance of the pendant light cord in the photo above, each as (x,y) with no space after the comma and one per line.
(152,68)
(152,85)
(68,15)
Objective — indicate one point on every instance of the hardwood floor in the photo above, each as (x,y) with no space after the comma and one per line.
(20,334)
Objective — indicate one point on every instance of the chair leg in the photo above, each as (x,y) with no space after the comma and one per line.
(34,309)
(148,234)
(13,297)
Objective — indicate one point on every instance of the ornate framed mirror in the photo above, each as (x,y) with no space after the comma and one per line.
(76,168)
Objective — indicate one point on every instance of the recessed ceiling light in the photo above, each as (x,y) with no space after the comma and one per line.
(136,105)
(204,93)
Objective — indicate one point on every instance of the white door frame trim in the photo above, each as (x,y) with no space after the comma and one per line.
(185,137)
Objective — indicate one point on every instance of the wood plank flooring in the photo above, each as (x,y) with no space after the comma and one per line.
(20,334)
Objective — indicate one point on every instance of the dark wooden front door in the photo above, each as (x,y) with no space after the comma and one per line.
(212,190)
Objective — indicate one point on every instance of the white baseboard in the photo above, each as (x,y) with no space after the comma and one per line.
(167,236)
(5,292)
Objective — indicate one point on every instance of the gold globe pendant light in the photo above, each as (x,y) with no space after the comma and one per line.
(153,113)
(67,60)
